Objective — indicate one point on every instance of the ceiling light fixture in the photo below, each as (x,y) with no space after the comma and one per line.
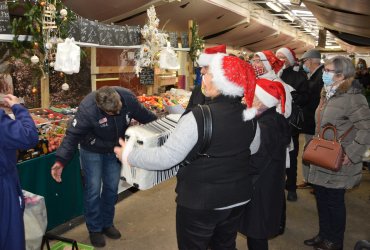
(273,6)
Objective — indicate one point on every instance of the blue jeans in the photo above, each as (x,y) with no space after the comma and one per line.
(101,174)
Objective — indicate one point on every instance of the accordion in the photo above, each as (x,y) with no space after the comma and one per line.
(153,134)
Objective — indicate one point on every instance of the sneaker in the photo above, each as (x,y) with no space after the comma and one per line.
(112,232)
(97,239)
(313,241)
(304,185)
(292,196)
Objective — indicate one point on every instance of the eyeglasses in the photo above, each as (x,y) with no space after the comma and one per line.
(328,70)
(257,60)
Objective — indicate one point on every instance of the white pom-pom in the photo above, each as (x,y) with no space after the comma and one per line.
(35,59)
(65,86)
(63,12)
(249,114)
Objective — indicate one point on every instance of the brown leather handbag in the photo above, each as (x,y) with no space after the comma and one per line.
(325,153)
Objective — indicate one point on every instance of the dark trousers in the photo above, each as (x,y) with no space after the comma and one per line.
(203,229)
(291,172)
(257,244)
(332,213)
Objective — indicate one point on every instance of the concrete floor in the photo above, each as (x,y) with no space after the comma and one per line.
(146,220)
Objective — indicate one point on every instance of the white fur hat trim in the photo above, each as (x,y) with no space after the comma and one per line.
(223,84)
(266,63)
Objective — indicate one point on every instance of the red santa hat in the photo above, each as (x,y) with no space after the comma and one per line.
(234,77)
(206,57)
(270,61)
(271,93)
(289,54)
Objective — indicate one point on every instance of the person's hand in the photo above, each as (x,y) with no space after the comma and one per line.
(119,150)
(56,171)
(10,100)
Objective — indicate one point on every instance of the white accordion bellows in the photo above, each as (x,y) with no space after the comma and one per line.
(150,135)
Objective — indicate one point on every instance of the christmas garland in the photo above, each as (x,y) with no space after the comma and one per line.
(197,43)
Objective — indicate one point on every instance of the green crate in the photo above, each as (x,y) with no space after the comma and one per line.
(61,245)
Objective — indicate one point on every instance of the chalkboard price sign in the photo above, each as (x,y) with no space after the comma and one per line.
(134,35)
(106,34)
(89,31)
(172,36)
(146,76)
(185,39)
(4,19)
(120,35)
(74,30)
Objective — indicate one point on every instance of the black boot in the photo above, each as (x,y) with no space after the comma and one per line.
(328,245)
(314,241)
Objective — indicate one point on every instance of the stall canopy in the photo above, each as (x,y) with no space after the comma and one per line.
(347,20)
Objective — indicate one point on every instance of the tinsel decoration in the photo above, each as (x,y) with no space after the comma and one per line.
(154,40)
(197,43)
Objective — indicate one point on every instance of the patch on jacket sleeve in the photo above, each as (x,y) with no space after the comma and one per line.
(74,123)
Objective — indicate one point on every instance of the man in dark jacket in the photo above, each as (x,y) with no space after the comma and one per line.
(311,61)
(102,118)
(296,78)
(20,133)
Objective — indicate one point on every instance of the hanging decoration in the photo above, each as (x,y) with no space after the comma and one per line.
(197,43)
(47,21)
(154,40)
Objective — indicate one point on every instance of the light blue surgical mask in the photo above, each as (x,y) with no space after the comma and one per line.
(327,78)
(306,69)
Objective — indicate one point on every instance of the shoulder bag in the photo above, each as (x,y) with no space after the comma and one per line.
(325,153)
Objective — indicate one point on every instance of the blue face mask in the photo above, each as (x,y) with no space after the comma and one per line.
(306,69)
(327,78)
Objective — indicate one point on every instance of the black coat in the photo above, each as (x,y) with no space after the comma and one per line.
(261,219)
(315,85)
(196,97)
(298,80)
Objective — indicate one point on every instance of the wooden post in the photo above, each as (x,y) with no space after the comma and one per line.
(93,69)
(190,80)
(45,92)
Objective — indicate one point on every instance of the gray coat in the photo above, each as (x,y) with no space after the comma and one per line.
(347,107)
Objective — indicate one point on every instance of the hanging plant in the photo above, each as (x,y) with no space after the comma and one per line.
(197,43)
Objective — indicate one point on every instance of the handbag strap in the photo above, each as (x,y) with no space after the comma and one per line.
(318,125)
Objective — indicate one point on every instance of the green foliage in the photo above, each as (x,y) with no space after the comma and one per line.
(197,43)
(30,24)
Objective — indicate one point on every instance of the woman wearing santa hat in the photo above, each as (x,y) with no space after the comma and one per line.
(213,189)
(267,66)
(197,97)
(262,216)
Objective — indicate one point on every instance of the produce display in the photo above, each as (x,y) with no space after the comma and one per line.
(51,126)
(173,97)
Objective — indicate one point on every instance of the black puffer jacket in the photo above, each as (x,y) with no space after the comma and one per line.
(97,131)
